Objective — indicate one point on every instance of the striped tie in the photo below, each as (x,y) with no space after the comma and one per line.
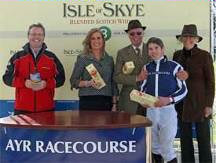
(138,51)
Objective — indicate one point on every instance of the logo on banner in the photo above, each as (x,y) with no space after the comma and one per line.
(106,32)
(105,13)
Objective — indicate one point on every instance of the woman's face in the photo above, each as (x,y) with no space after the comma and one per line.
(155,51)
(188,42)
(96,41)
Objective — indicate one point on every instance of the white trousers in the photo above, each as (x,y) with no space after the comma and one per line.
(164,130)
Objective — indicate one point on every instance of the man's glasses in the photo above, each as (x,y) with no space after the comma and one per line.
(135,33)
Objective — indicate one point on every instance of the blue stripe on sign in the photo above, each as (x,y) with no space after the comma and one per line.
(7,106)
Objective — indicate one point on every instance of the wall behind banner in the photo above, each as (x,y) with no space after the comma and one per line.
(67,22)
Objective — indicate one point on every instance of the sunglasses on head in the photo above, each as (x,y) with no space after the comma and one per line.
(135,33)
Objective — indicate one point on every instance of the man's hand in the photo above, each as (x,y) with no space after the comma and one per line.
(35,86)
(142,75)
(182,75)
(162,101)
(28,84)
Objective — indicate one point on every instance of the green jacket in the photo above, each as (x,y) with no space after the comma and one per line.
(128,81)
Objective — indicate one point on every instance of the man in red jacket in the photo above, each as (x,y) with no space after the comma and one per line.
(35,73)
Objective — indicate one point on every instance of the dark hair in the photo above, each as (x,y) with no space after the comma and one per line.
(38,25)
(155,40)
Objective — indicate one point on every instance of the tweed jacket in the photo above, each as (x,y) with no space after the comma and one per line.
(128,81)
(201,83)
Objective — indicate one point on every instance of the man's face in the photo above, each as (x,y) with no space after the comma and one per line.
(36,37)
(136,36)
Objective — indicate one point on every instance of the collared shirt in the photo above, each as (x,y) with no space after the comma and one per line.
(140,47)
(105,67)
(34,53)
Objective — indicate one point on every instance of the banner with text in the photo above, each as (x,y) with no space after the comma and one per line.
(67,23)
(82,146)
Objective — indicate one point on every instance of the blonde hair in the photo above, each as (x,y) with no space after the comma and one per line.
(87,41)
(196,39)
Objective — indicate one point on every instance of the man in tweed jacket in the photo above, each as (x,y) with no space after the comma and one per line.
(135,52)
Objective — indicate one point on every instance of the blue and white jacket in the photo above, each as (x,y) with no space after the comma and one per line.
(162,80)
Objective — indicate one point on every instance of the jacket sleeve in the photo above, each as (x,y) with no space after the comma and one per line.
(59,78)
(115,90)
(77,72)
(181,92)
(209,81)
(11,76)
(143,84)
(119,77)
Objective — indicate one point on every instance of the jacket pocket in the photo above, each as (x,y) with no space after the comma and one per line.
(45,99)
(25,99)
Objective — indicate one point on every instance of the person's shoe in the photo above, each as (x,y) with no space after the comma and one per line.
(157,158)
(173,161)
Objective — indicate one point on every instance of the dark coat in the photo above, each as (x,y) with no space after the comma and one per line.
(201,83)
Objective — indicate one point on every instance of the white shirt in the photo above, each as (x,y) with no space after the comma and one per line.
(140,47)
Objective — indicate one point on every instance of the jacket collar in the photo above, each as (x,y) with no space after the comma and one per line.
(27,48)
(91,56)
(132,49)
(163,59)
(191,51)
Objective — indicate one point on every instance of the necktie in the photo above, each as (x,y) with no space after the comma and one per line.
(138,51)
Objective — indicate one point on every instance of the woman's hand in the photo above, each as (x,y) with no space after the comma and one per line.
(93,84)
(207,111)
(182,75)
(86,83)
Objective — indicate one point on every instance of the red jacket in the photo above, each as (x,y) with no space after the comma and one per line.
(19,68)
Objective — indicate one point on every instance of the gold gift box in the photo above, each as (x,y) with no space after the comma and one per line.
(128,67)
(95,76)
(143,98)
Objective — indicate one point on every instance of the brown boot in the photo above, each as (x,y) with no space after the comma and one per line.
(173,161)
(157,158)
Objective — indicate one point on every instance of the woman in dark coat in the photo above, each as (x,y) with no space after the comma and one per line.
(197,106)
